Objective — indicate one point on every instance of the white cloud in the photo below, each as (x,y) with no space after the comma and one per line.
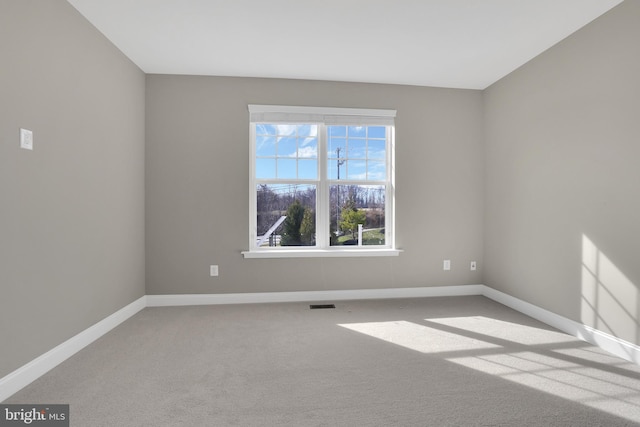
(286,130)
(308,152)
(309,140)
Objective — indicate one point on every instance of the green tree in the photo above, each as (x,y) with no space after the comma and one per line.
(291,235)
(350,217)
(308,228)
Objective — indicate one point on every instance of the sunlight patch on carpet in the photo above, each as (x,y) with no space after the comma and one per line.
(418,337)
(589,386)
(542,359)
(502,330)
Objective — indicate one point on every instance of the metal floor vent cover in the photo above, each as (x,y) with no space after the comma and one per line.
(318,306)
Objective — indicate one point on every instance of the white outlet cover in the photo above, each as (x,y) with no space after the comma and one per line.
(213,270)
(26,139)
(446,265)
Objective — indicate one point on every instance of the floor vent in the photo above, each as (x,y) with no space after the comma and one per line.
(316,306)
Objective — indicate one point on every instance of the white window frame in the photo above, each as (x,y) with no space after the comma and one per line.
(323,117)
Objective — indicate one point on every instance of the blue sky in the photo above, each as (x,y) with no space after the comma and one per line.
(286,151)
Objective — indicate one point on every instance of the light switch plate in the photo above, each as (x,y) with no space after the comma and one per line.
(26,139)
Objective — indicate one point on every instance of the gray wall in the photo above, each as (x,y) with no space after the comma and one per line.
(71,211)
(563,177)
(197,175)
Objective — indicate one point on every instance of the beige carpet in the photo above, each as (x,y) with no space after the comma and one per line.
(462,361)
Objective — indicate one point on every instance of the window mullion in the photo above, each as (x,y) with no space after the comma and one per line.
(389,202)
(253,223)
(322,205)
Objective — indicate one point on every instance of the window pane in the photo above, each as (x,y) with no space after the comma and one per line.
(356,169)
(361,143)
(350,205)
(265,146)
(377,132)
(333,167)
(265,129)
(265,168)
(287,147)
(337,131)
(376,149)
(286,168)
(337,147)
(357,131)
(308,148)
(297,203)
(357,149)
(307,169)
(279,148)
(376,170)
(308,130)
(286,130)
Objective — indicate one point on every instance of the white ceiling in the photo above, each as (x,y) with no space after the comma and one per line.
(443,43)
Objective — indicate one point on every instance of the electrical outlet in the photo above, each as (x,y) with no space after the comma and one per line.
(213,270)
(446,265)
(26,139)
(473,266)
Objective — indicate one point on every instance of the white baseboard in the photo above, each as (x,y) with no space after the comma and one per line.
(336,295)
(39,366)
(28,373)
(607,342)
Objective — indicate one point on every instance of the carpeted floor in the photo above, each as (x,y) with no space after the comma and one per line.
(461,361)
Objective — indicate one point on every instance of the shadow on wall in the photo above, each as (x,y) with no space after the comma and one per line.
(609,298)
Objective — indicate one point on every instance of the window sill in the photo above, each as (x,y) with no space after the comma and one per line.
(322,253)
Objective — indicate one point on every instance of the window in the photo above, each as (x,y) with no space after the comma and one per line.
(321,181)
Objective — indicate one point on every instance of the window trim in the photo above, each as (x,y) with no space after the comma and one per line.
(320,253)
(324,116)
